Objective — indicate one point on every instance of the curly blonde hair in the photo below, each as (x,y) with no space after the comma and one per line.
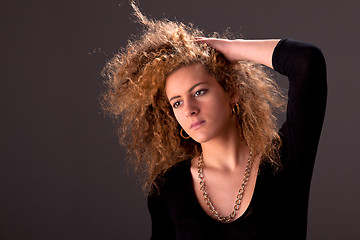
(135,95)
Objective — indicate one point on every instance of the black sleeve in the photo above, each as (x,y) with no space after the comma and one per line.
(305,66)
(161,223)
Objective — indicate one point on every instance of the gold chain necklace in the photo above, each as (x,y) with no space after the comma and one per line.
(238,197)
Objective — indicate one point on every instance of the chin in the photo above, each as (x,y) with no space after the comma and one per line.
(201,139)
(205,136)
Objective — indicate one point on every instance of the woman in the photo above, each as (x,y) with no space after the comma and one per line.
(197,116)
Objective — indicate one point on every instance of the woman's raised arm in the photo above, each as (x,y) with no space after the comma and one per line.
(259,51)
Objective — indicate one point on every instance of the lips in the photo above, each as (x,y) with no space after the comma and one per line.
(197,124)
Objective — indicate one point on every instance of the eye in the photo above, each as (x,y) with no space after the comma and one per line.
(176,104)
(200,92)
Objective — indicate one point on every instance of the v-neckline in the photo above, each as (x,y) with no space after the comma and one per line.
(200,209)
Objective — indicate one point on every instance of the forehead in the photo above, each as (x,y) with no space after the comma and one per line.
(185,77)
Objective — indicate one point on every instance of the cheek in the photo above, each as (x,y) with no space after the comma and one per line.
(221,110)
(179,118)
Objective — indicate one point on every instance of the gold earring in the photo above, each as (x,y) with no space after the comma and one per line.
(236,109)
(181,134)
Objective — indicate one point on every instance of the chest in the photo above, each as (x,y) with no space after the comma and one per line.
(222,190)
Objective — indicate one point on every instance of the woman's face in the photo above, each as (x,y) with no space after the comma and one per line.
(200,104)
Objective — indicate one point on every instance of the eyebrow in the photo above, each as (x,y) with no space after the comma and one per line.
(188,90)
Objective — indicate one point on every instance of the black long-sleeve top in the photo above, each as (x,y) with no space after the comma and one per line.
(278,208)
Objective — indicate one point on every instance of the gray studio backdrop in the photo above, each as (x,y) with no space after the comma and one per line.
(62,172)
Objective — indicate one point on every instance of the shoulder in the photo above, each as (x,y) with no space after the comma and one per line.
(174,178)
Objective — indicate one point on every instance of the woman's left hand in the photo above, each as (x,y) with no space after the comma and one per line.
(227,47)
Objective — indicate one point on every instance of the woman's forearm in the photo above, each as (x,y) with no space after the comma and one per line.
(259,51)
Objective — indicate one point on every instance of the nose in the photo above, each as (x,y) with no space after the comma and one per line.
(191,109)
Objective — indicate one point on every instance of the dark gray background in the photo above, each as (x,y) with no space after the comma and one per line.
(62,172)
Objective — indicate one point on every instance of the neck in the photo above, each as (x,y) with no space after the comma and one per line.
(227,152)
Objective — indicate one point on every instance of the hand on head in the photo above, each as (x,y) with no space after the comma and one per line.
(225,46)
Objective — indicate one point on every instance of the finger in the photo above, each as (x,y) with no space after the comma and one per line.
(199,39)
(202,41)
(205,40)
